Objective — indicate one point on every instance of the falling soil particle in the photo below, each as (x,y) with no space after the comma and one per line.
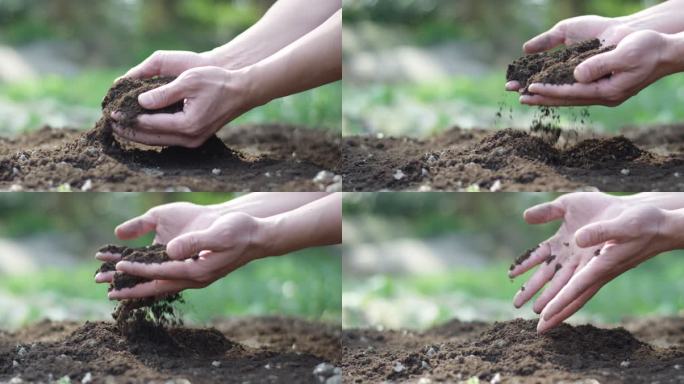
(522,288)
(512,349)
(553,67)
(242,348)
(550,259)
(459,159)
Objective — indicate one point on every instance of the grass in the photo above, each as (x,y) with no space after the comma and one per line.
(474,101)
(317,108)
(653,288)
(305,284)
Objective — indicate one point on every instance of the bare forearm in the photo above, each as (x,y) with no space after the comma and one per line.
(665,17)
(315,224)
(285,22)
(662,200)
(265,204)
(309,62)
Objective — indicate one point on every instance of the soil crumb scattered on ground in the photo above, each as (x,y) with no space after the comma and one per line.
(515,160)
(553,67)
(147,315)
(255,350)
(509,351)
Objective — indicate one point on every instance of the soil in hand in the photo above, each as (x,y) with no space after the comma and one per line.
(123,98)
(514,160)
(553,67)
(252,350)
(511,351)
(147,315)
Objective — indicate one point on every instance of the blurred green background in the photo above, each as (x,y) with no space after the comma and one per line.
(58,58)
(416,67)
(418,259)
(47,243)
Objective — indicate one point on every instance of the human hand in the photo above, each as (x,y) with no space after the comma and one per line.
(229,242)
(170,63)
(623,242)
(213,97)
(168,221)
(610,78)
(572,31)
(559,256)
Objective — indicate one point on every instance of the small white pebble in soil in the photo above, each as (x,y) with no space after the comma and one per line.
(23,158)
(496,379)
(431,352)
(87,186)
(398,367)
(380,135)
(16,380)
(267,174)
(424,172)
(16,188)
(15,363)
(324,177)
(216,171)
(216,363)
(677,174)
(424,380)
(677,367)
(625,172)
(21,351)
(424,188)
(88,378)
(267,366)
(496,187)
(399,174)
(425,365)
(625,364)
(432,159)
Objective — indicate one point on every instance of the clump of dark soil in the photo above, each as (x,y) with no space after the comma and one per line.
(141,316)
(264,158)
(48,351)
(123,98)
(514,160)
(553,67)
(520,259)
(511,351)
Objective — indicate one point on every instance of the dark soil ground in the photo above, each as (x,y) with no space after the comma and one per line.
(511,352)
(263,158)
(553,67)
(650,159)
(254,350)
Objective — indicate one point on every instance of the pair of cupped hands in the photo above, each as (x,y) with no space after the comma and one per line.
(601,237)
(641,57)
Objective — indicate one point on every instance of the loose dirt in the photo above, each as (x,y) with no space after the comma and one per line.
(650,159)
(512,352)
(262,157)
(256,350)
(553,67)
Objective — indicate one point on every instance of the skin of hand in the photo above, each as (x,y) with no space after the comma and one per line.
(231,241)
(173,219)
(580,213)
(611,78)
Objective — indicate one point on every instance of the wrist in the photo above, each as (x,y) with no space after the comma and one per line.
(673,229)
(671,57)
(266,238)
(254,91)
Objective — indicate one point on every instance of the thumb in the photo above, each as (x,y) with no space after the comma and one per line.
(190,244)
(597,67)
(545,41)
(163,96)
(136,227)
(599,233)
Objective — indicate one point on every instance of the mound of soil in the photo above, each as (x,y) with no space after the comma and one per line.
(513,160)
(509,351)
(49,351)
(553,67)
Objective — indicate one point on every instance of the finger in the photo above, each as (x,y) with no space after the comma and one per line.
(164,95)
(534,284)
(599,66)
(151,289)
(577,91)
(545,41)
(600,232)
(170,270)
(544,213)
(173,123)
(536,257)
(190,244)
(562,274)
(595,270)
(104,277)
(150,67)
(154,139)
(512,86)
(108,256)
(136,226)
(544,325)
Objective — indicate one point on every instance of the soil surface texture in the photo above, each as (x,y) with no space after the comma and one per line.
(650,159)
(512,352)
(254,350)
(262,157)
(553,67)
